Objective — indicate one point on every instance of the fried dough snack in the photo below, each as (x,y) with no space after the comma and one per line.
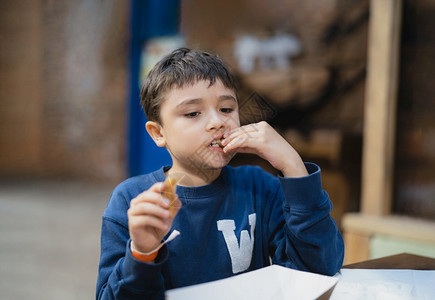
(169,193)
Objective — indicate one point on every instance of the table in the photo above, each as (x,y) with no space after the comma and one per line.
(398,261)
(401,276)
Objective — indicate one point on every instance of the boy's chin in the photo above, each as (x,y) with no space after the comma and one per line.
(216,165)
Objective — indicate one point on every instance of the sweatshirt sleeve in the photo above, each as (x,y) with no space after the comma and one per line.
(310,240)
(120,275)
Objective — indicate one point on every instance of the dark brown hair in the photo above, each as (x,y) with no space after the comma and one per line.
(183,66)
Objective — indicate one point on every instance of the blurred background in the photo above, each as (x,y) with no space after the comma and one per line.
(71,126)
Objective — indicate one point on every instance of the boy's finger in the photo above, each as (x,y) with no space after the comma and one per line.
(153,196)
(245,128)
(244,132)
(239,141)
(157,187)
(147,208)
(148,221)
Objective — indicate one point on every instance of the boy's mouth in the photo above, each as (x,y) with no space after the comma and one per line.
(217,143)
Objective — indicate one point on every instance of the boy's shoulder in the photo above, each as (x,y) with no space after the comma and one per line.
(124,192)
(135,185)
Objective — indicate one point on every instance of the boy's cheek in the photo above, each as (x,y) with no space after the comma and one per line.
(233,123)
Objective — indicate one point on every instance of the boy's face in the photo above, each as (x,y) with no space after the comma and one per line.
(194,118)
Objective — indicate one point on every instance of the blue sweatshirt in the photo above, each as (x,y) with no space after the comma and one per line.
(245,220)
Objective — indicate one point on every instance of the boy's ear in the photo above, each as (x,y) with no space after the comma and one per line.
(154,129)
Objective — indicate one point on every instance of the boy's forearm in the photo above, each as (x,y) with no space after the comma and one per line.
(121,276)
(132,279)
(288,161)
(317,244)
(294,168)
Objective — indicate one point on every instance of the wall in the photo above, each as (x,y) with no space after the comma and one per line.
(63,83)
(63,70)
(20,86)
(318,99)
(415,146)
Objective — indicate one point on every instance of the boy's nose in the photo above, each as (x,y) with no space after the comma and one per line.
(215,122)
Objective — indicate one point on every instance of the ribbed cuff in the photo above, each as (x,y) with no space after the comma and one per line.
(304,192)
(138,275)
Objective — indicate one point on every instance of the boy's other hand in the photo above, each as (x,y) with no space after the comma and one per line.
(149,218)
(261,139)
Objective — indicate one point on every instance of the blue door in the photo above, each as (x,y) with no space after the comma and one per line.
(149,19)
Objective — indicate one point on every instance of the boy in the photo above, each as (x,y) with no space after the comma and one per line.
(230,220)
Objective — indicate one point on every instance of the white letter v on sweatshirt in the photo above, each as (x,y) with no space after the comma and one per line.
(240,255)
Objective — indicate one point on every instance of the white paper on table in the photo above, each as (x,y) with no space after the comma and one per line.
(272,282)
(384,284)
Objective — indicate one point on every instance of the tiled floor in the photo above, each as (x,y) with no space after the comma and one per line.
(49,239)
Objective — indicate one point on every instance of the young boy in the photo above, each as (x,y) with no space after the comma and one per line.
(230,220)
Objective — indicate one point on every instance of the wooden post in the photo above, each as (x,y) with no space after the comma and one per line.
(380,106)
(357,247)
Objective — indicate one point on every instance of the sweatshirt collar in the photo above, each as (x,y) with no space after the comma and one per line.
(199,192)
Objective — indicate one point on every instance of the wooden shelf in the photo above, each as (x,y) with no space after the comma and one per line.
(393,225)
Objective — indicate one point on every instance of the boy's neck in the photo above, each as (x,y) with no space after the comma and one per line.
(194,178)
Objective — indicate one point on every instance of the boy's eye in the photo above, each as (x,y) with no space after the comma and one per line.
(227,110)
(192,114)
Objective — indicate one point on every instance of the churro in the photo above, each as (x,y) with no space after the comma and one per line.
(217,143)
(169,193)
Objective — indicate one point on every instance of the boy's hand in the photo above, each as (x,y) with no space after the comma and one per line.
(261,139)
(150,218)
